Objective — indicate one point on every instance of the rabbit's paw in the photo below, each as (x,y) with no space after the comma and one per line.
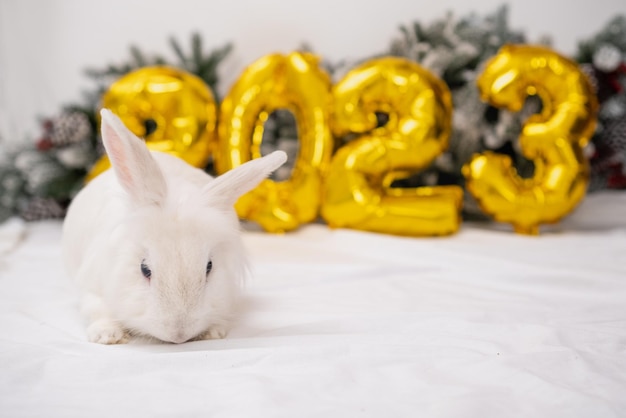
(214,333)
(106,332)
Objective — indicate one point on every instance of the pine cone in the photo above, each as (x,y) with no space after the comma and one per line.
(69,128)
(39,208)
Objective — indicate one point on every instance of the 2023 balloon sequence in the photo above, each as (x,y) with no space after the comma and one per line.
(351,187)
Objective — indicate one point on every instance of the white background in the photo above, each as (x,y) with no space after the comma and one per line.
(46,45)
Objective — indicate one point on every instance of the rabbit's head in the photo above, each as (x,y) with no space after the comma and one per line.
(179,261)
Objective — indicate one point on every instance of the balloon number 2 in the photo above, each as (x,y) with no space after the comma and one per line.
(357,192)
(353,187)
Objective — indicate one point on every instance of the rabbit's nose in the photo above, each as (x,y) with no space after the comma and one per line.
(179,337)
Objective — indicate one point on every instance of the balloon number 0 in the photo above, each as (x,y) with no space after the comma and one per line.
(353,187)
(275,81)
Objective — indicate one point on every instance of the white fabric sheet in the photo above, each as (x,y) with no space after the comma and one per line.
(340,323)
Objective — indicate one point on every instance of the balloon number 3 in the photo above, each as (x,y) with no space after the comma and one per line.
(553,140)
(176,113)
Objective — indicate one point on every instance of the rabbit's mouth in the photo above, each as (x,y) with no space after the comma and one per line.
(180,337)
(178,340)
(182,332)
(174,338)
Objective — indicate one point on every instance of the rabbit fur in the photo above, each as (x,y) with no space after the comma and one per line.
(154,244)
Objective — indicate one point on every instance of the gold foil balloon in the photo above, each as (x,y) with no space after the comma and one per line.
(357,191)
(174,111)
(553,140)
(293,82)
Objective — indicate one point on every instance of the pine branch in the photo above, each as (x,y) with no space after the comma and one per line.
(178,51)
(199,64)
(196,50)
(139,59)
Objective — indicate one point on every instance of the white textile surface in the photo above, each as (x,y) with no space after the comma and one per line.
(341,323)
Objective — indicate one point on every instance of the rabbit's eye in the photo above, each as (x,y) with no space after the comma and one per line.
(145,270)
(209,267)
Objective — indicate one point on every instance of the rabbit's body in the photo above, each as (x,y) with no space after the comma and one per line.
(154,244)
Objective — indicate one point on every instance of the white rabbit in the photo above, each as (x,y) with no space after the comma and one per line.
(154,244)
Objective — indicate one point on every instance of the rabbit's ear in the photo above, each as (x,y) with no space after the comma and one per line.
(132,162)
(226,189)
